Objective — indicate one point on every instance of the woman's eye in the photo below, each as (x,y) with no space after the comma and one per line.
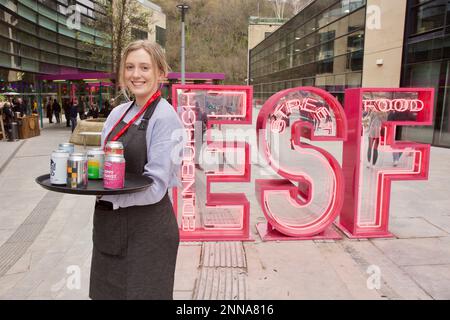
(145,68)
(129,67)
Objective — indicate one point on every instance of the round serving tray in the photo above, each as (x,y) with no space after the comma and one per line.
(133,183)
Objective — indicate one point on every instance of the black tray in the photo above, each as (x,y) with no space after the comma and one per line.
(133,183)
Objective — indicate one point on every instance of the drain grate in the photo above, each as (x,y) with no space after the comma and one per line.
(223,272)
(16,246)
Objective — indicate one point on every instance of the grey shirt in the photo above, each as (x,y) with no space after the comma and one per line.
(164,151)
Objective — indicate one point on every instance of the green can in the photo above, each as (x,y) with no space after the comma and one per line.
(96,160)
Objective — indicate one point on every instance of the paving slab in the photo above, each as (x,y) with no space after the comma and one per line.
(395,282)
(410,228)
(294,270)
(413,252)
(434,279)
(187,268)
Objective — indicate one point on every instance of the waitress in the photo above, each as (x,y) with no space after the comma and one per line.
(135,236)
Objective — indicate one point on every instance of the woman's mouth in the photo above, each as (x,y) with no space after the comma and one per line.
(138,84)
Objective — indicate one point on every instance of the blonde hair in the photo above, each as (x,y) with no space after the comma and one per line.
(156,53)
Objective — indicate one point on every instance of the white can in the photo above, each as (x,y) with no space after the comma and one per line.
(58,167)
(69,147)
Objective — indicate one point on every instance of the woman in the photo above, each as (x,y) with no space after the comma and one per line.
(136,235)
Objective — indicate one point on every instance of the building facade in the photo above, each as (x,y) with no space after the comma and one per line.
(321,46)
(426,63)
(42,37)
(339,44)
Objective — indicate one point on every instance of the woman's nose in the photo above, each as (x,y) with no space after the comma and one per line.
(136,73)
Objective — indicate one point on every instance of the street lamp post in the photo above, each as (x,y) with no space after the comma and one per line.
(183,7)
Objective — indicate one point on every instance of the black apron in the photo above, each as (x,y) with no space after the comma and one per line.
(135,248)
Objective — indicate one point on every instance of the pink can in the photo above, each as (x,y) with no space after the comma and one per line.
(114,172)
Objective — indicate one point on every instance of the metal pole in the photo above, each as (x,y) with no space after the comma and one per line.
(183,76)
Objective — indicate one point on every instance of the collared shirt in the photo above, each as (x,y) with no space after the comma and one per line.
(165,137)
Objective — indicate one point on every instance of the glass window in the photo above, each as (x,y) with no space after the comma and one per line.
(5,60)
(49,57)
(428,16)
(355,41)
(325,51)
(45,22)
(4,30)
(325,66)
(49,3)
(353,79)
(47,34)
(309,55)
(442,133)
(28,39)
(48,46)
(161,36)
(27,13)
(425,50)
(30,65)
(356,21)
(4,45)
(26,26)
(422,75)
(10,4)
(356,60)
(28,52)
(65,31)
(67,41)
(67,51)
(67,61)
(340,27)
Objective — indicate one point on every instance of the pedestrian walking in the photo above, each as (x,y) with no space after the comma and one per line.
(66,108)
(73,113)
(136,236)
(82,108)
(48,108)
(56,110)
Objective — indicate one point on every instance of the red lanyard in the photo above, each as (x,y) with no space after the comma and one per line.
(155,96)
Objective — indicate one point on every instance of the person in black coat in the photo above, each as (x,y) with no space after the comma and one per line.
(66,108)
(56,110)
(49,110)
(73,113)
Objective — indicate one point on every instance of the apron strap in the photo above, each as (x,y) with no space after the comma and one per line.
(148,114)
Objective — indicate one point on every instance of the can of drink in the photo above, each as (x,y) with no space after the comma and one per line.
(58,167)
(69,147)
(77,176)
(114,173)
(114,147)
(96,160)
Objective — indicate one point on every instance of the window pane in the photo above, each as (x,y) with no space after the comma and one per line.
(428,16)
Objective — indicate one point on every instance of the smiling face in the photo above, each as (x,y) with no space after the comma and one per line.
(140,74)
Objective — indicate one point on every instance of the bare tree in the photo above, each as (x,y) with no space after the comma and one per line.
(115,29)
(278,7)
(298,5)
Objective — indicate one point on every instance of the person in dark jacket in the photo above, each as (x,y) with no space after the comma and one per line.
(66,108)
(56,110)
(48,108)
(73,113)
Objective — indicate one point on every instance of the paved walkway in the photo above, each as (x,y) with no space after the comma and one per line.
(45,243)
